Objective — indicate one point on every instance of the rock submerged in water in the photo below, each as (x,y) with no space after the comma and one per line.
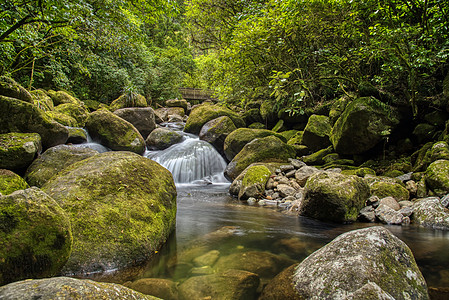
(68,288)
(122,207)
(35,236)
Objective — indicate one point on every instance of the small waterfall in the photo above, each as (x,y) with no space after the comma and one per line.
(90,143)
(192,161)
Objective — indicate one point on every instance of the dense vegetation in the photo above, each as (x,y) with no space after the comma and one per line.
(293,53)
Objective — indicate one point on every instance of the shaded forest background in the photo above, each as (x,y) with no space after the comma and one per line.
(291,53)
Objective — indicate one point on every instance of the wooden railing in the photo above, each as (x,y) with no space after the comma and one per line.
(192,94)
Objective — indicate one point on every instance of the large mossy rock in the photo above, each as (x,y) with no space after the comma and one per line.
(54,160)
(237,139)
(334,197)
(254,182)
(177,103)
(316,133)
(141,117)
(11,182)
(362,126)
(68,288)
(383,189)
(267,149)
(202,114)
(122,207)
(77,111)
(10,88)
(162,138)
(216,131)
(230,284)
(429,212)
(437,177)
(42,100)
(62,97)
(21,116)
(35,236)
(128,100)
(18,150)
(114,132)
(61,118)
(356,258)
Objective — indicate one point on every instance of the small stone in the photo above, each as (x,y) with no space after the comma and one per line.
(275,196)
(406,211)
(286,168)
(269,192)
(373,201)
(405,177)
(367,214)
(405,221)
(304,173)
(270,184)
(285,190)
(297,163)
(391,202)
(294,184)
(412,187)
(405,203)
(252,201)
(261,202)
(334,170)
(290,174)
(387,215)
(289,198)
(282,179)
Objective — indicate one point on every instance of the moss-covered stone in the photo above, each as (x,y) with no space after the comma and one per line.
(296,139)
(437,177)
(177,103)
(362,125)
(316,133)
(61,97)
(69,288)
(256,125)
(42,100)
(77,135)
(122,207)
(202,114)
(10,88)
(279,126)
(254,181)
(20,116)
(62,118)
(334,197)
(130,100)
(18,150)
(388,189)
(77,111)
(355,258)
(428,212)
(141,117)
(267,112)
(288,134)
(361,172)
(216,131)
(337,108)
(252,116)
(35,236)
(162,138)
(237,139)
(92,105)
(11,182)
(316,158)
(53,160)
(114,132)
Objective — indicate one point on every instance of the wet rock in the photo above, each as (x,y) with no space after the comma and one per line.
(429,212)
(68,288)
(162,138)
(388,215)
(406,211)
(304,173)
(45,236)
(285,190)
(11,182)
(162,288)
(53,160)
(281,287)
(254,181)
(207,259)
(18,150)
(230,284)
(142,118)
(76,135)
(114,132)
(334,197)
(346,264)
(120,203)
(177,103)
(216,131)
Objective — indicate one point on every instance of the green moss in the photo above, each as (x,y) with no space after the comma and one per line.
(42,100)
(18,150)
(202,114)
(256,175)
(317,157)
(76,111)
(361,172)
(279,126)
(11,182)
(437,176)
(61,97)
(10,88)
(62,118)
(296,139)
(128,100)
(389,189)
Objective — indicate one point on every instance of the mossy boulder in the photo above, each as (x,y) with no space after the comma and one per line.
(334,197)
(10,88)
(337,108)
(35,236)
(252,116)
(54,160)
(216,131)
(361,172)
(128,100)
(177,103)
(42,100)
(429,212)
(21,116)
(256,125)
(316,133)
(92,105)
(11,182)
(77,135)
(362,126)
(141,117)
(114,132)
(202,114)
(424,133)
(279,127)
(355,258)
(61,97)
(266,149)
(18,150)
(122,207)
(267,112)
(61,118)
(237,139)
(296,139)
(77,111)
(68,288)
(281,286)
(317,157)
(383,189)
(254,181)
(437,177)
(162,138)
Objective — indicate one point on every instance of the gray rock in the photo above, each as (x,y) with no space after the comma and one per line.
(373,201)
(141,117)
(368,292)
(285,190)
(405,203)
(304,173)
(296,163)
(390,202)
(162,138)
(367,214)
(406,211)
(387,215)
(429,212)
(18,150)
(445,201)
(346,264)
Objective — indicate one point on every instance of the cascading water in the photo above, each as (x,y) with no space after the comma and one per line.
(91,144)
(192,161)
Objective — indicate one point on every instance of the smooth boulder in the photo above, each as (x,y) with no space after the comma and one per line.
(331,196)
(114,132)
(358,257)
(129,100)
(216,131)
(18,150)
(76,111)
(162,138)
(122,207)
(21,116)
(35,236)
(141,117)
(316,134)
